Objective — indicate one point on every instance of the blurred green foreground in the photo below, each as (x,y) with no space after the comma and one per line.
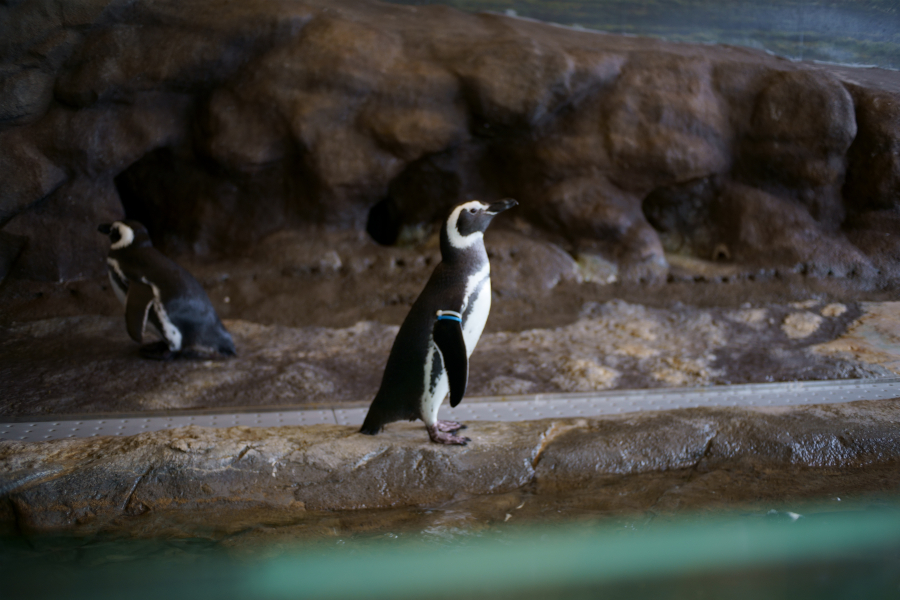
(852,554)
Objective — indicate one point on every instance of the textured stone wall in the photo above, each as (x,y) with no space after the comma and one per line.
(218,123)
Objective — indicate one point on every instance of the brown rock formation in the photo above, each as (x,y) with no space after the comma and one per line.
(218,123)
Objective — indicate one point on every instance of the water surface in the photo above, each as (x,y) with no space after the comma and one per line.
(864,32)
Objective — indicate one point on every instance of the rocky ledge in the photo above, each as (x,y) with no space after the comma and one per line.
(199,479)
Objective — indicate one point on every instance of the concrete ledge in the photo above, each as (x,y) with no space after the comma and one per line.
(68,484)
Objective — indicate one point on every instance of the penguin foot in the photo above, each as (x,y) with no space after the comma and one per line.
(442,437)
(157,351)
(449,426)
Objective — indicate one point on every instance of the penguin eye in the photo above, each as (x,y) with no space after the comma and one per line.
(473,210)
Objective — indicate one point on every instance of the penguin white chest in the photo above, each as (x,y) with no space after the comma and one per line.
(118,280)
(170,332)
(476,307)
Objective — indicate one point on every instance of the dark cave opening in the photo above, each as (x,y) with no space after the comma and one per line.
(426,189)
(384,222)
(190,206)
(149,190)
(683,217)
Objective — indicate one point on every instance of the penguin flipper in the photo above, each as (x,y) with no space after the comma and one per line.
(448,336)
(137,306)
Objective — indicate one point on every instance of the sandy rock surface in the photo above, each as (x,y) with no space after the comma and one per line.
(872,339)
(88,364)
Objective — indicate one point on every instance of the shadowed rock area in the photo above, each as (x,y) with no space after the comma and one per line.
(203,480)
(219,123)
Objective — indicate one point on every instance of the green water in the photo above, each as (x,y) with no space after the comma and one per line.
(864,32)
(848,554)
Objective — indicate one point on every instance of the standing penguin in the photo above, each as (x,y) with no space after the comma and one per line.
(430,355)
(159,294)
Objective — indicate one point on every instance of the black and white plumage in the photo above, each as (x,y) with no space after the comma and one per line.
(430,355)
(161,296)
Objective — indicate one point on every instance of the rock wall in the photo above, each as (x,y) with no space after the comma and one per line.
(218,123)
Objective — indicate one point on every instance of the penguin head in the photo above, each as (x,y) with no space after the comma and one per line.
(468,221)
(125,234)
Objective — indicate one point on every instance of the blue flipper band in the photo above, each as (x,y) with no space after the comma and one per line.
(449,318)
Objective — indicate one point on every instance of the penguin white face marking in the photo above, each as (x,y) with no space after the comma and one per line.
(121,235)
(457,240)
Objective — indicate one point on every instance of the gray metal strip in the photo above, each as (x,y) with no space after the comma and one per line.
(506,408)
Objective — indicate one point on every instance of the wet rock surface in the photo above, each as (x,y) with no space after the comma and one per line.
(220,480)
(219,124)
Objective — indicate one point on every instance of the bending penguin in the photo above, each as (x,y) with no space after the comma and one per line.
(160,295)
(430,355)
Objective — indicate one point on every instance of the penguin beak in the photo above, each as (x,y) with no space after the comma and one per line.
(499,207)
(105,229)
